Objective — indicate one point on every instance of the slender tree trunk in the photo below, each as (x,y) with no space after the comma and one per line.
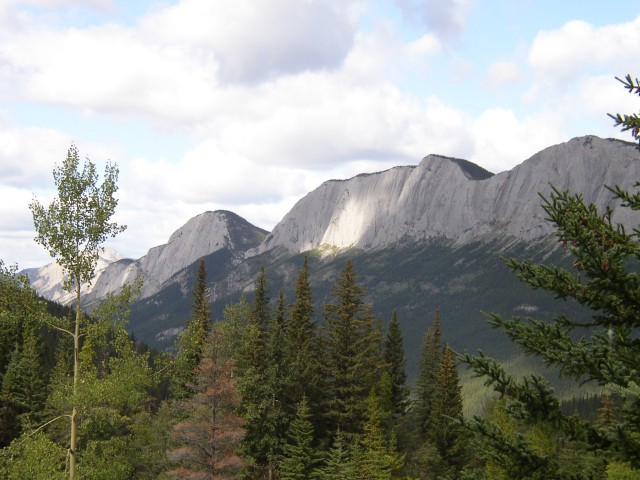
(76,372)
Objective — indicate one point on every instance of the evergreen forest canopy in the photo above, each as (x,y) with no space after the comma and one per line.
(266,392)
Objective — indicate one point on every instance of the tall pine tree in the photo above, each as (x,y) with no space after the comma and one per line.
(263,382)
(396,364)
(352,353)
(427,376)
(299,456)
(302,348)
(376,458)
(447,435)
(192,341)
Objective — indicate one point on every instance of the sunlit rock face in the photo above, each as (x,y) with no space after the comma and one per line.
(455,199)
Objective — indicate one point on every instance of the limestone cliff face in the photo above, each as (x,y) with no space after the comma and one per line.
(455,199)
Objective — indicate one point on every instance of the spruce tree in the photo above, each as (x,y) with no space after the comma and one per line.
(396,362)
(603,350)
(192,340)
(378,458)
(277,380)
(447,435)
(338,464)
(427,376)
(261,312)
(263,381)
(303,351)
(352,353)
(299,456)
(24,384)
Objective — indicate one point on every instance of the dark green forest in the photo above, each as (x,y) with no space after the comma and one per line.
(264,392)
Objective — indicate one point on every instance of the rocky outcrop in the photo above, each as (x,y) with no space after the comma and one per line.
(455,199)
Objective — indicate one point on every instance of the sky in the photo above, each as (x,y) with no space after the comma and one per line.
(248,105)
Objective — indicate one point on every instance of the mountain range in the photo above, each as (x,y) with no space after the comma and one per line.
(421,237)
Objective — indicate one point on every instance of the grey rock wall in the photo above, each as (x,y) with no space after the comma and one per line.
(452,198)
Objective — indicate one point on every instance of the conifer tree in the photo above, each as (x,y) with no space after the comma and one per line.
(427,376)
(299,456)
(603,350)
(20,310)
(447,435)
(191,342)
(303,352)
(263,381)
(378,459)
(337,465)
(24,384)
(208,439)
(396,363)
(261,312)
(277,380)
(384,394)
(352,353)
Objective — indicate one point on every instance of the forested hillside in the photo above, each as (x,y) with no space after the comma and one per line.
(265,392)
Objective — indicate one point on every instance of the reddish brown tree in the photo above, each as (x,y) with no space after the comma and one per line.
(209,437)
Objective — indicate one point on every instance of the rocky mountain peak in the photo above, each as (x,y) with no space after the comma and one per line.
(453,198)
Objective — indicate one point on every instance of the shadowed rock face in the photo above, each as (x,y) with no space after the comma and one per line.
(452,198)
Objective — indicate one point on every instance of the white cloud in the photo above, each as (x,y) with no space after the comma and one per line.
(254,41)
(27,155)
(502,73)
(447,18)
(426,45)
(560,57)
(602,94)
(503,141)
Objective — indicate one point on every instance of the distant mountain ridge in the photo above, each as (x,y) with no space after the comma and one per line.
(426,236)
(47,280)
